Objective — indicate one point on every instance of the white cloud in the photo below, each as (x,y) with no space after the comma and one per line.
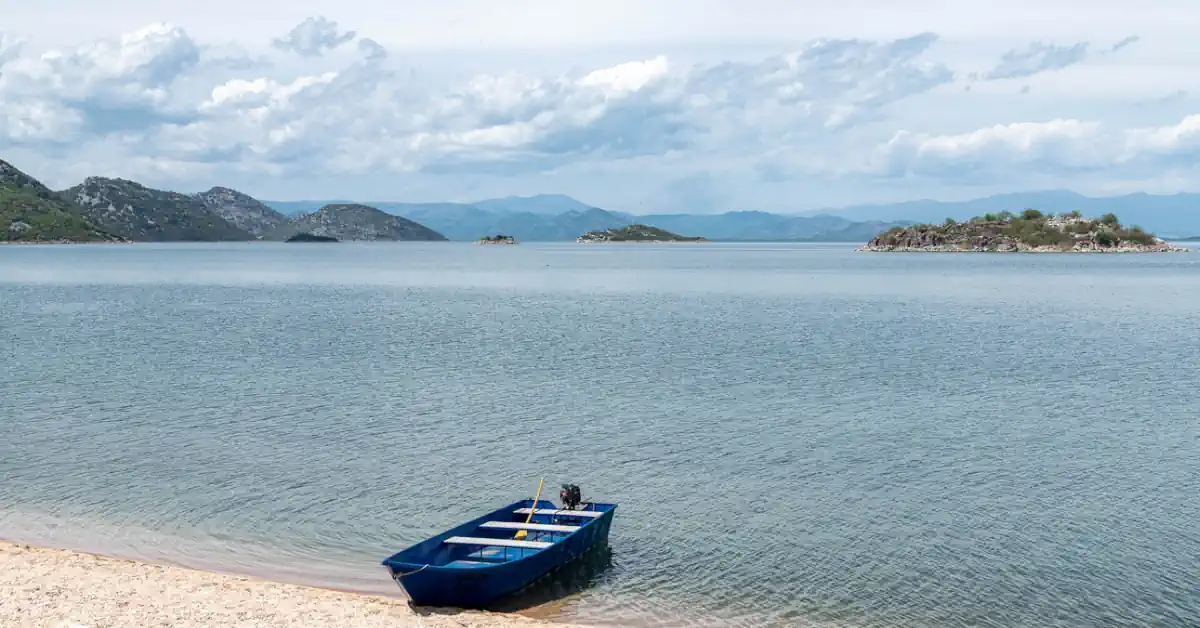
(10,47)
(124,83)
(136,68)
(1128,41)
(1067,144)
(364,116)
(372,50)
(759,126)
(628,77)
(1039,57)
(314,37)
(259,94)
(37,122)
(1177,141)
(1059,146)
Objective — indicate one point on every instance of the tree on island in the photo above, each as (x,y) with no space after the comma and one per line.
(1031,229)
(498,238)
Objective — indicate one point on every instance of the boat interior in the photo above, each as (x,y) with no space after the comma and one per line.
(504,535)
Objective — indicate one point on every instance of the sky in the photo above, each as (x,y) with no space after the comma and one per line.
(669,105)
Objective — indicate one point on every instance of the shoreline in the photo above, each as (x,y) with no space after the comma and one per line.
(61,242)
(1047,250)
(41,586)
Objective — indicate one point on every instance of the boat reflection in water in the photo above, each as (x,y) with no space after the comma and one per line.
(570,579)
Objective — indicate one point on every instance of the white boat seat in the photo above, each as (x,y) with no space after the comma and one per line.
(478,540)
(561,513)
(538,527)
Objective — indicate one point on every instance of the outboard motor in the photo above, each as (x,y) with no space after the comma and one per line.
(570,496)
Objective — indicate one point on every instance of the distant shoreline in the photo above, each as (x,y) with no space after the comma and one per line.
(849,243)
(640,241)
(571,241)
(1034,251)
(61,242)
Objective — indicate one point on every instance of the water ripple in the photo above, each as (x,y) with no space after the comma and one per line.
(797,436)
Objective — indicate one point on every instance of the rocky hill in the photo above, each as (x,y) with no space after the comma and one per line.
(354,222)
(31,212)
(241,210)
(144,214)
(636,233)
(1030,231)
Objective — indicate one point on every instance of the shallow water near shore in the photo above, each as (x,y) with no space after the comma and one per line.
(796,434)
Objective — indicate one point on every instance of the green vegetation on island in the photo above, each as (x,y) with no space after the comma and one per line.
(636,233)
(1030,231)
(497,239)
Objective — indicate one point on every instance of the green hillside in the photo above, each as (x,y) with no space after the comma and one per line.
(31,212)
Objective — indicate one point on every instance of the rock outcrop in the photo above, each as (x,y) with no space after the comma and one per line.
(1030,232)
(241,210)
(355,222)
(636,233)
(139,213)
(31,212)
(497,239)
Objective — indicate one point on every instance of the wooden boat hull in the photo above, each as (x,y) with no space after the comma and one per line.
(477,586)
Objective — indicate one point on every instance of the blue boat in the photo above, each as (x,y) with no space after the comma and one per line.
(484,560)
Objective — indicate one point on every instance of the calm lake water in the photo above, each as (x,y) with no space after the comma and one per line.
(796,435)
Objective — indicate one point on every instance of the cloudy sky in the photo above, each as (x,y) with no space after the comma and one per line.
(658,105)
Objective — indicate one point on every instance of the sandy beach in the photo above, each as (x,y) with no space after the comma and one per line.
(50,588)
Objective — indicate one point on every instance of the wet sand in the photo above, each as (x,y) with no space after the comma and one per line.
(50,588)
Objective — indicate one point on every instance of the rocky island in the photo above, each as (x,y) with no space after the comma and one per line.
(636,233)
(497,239)
(1030,231)
(308,237)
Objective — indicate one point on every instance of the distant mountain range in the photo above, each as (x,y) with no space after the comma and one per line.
(541,204)
(553,217)
(117,209)
(558,218)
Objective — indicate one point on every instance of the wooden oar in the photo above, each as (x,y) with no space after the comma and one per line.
(522,533)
